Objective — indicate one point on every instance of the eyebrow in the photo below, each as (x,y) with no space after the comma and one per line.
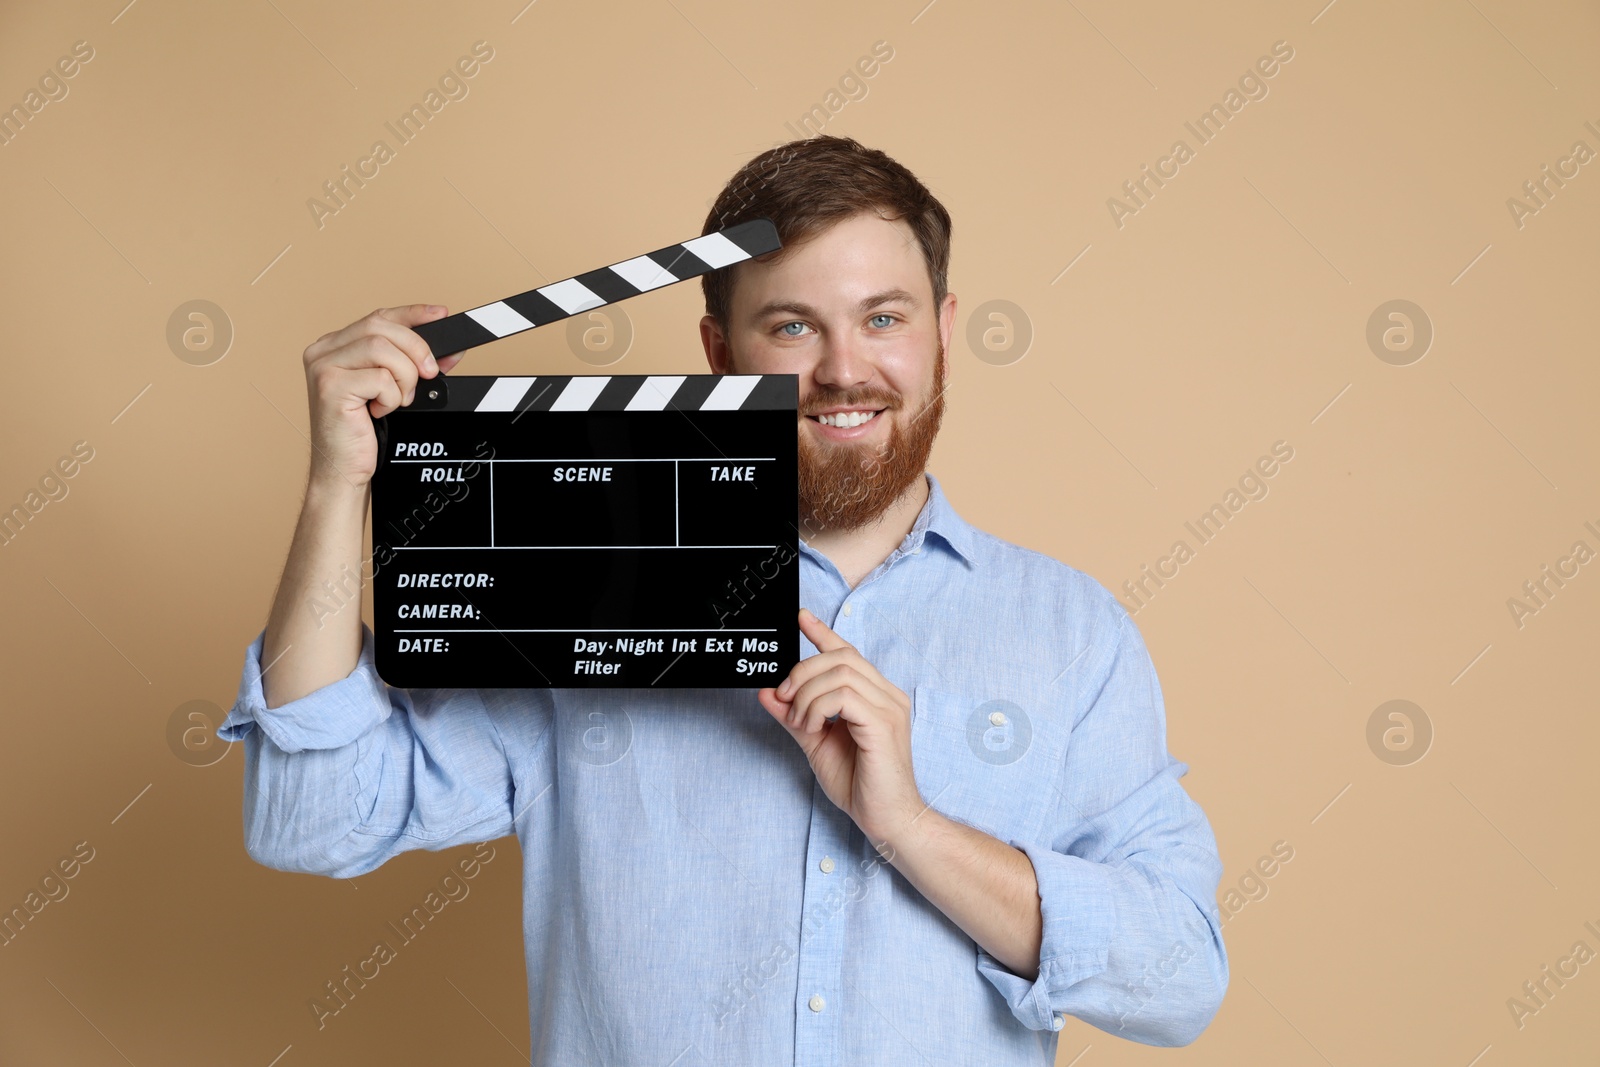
(792,307)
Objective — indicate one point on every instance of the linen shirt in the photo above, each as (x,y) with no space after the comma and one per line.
(691,896)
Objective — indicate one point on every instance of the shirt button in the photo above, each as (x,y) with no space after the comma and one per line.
(1057,1022)
(847,608)
(816,1003)
(997,718)
(826,865)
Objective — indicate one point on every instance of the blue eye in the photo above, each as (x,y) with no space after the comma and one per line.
(883,316)
(786,326)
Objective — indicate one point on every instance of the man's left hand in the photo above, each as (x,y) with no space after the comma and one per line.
(863,757)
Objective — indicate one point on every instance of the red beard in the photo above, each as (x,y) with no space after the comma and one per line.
(848,486)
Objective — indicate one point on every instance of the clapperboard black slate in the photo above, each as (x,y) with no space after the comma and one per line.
(589,531)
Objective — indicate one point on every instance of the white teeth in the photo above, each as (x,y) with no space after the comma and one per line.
(846,419)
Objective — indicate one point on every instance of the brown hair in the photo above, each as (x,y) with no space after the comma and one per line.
(808,185)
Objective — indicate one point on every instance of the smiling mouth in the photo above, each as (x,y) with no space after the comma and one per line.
(845,420)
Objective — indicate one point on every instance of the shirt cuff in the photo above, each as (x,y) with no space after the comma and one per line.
(1079,911)
(330,717)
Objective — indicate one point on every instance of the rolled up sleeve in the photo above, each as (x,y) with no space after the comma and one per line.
(341,779)
(1131,938)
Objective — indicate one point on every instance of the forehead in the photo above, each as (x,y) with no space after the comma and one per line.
(838,265)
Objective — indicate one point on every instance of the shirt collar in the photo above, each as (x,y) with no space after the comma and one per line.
(939,518)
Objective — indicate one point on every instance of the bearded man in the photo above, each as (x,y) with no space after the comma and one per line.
(951,827)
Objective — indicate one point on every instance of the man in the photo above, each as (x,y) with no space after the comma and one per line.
(953,825)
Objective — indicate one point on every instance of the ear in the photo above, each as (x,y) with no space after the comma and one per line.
(716,345)
(947,321)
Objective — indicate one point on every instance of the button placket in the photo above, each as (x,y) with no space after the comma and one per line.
(822,924)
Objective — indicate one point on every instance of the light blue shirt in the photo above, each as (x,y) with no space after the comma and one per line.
(691,896)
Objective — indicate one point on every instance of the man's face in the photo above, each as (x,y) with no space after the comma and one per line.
(850,311)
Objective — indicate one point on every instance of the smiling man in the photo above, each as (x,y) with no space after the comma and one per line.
(953,825)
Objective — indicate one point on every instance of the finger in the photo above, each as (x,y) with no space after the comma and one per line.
(410,344)
(375,387)
(378,352)
(777,708)
(842,674)
(811,742)
(847,703)
(812,666)
(807,669)
(404,316)
(394,323)
(819,632)
(813,703)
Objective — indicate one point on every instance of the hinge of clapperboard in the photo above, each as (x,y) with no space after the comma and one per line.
(585,292)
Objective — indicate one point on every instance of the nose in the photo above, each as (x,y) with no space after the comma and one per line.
(842,364)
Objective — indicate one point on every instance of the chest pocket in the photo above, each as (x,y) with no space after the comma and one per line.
(980,762)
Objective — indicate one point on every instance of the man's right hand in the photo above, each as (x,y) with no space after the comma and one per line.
(353,376)
(361,373)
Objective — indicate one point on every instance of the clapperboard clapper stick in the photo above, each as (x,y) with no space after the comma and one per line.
(551,303)
(589,531)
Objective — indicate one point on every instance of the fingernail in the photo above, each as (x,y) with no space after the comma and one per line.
(783,689)
(432,364)
(806,611)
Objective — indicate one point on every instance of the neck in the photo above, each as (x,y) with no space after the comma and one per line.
(857,552)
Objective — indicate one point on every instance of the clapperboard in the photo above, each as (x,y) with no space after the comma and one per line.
(589,531)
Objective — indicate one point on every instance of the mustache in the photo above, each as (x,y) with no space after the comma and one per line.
(850,398)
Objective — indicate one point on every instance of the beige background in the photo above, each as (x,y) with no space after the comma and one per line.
(1228,314)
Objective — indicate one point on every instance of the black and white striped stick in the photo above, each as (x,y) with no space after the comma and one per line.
(609,393)
(597,288)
